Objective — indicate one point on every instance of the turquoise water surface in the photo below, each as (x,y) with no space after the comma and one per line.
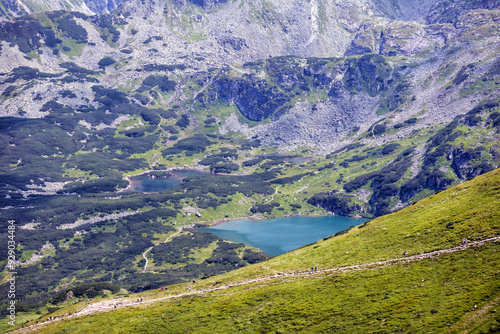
(281,235)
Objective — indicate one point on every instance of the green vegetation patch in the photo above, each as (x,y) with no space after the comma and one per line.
(191,145)
(28,34)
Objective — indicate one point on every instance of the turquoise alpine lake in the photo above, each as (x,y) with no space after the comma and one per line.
(281,235)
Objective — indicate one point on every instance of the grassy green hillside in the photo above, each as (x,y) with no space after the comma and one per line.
(352,291)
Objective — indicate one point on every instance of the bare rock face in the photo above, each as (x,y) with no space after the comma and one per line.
(207,4)
(16,8)
(465,163)
(399,38)
(444,11)
(180,3)
(102,6)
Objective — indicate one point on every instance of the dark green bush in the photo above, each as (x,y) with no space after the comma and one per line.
(183,122)
(224,168)
(162,82)
(289,180)
(27,73)
(94,186)
(106,61)
(379,128)
(253,257)
(74,30)
(73,68)
(191,145)
(108,96)
(390,148)
(337,203)
(150,116)
(27,33)
(253,162)
(262,208)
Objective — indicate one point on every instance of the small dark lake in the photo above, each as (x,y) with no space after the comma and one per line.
(159,181)
(281,235)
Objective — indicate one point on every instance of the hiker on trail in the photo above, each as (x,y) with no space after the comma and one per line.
(161,288)
(194,281)
(405,253)
(316,268)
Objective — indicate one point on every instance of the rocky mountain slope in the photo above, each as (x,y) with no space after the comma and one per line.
(423,57)
(10,9)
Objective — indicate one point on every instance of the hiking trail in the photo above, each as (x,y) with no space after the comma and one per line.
(106,306)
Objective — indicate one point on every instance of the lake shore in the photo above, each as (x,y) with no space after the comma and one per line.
(258,217)
(220,220)
(281,235)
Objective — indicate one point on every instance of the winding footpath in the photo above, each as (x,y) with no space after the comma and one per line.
(109,305)
(144,255)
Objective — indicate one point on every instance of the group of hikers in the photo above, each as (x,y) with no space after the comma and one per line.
(313,269)
(464,241)
(57,316)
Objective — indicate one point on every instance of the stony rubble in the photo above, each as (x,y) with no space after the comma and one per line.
(97,219)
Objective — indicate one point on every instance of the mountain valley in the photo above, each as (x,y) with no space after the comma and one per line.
(356,108)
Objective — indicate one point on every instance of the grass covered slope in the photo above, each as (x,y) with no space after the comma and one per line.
(440,221)
(452,292)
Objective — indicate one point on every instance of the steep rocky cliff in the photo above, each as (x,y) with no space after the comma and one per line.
(102,6)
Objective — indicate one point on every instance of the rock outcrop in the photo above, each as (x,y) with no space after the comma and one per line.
(16,8)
